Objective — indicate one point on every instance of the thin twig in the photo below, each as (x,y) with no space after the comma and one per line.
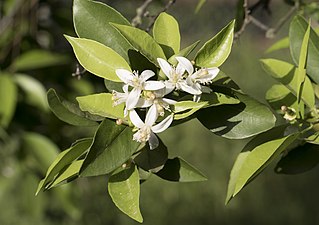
(140,11)
(246,20)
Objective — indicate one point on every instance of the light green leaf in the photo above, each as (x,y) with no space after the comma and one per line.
(112,146)
(36,59)
(101,105)
(256,156)
(166,33)
(97,58)
(35,93)
(237,121)
(216,50)
(8,99)
(179,170)
(124,189)
(75,117)
(215,99)
(286,74)
(280,44)
(92,16)
(279,95)
(142,42)
(297,32)
(189,106)
(64,159)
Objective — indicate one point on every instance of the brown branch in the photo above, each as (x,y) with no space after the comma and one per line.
(140,12)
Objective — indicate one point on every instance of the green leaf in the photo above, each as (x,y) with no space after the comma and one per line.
(92,21)
(102,105)
(240,15)
(287,74)
(279,95)
(8,99)
(184,52)
(97,58)
(64,159)
(297,32)
(166,33)
(256,156)
(37,59)
(280,44)
(152,160)
(124,189)
(215,99)
(179,170)
(216,50)
(199,5)
(299,160)
(112,146)
(237,121)
(142,42)
(65,114)
(189,106)
(35,93)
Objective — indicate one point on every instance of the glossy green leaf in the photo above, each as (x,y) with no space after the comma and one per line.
(97,58)
(142,42)
(299,160)
(112,146)
(124,189)
(35,93)
(287,74)
(240,15)
(64,159)
(166,33)
(279,95)
(8,99)
(216,50)
(102,105)
(215,99)
(152,160)
(184,109)
(75,117)
(297,31)
(37,59)
(256,156)
(238,121)
(280,44)
(184,52)
(92,16)
(179,170)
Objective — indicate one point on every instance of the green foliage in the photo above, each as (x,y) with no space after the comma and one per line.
(8,99)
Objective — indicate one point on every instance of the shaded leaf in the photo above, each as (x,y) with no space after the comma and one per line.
(97,58)
(166,33)
(8,99)
(216,50)
(92,16)
(64,114)
(280,44)
(179,170)
(112,146)
(184,52)
(279,95)
(124,189)
(199,5)
(184,109)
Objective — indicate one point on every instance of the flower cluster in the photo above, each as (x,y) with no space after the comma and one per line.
(140,92)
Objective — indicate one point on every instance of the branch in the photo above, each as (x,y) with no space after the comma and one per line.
(140,12)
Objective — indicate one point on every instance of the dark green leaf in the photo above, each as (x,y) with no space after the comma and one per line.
(64,114)
(179,170)
(184,52)
(8,99)
(113,145)
(92,20)
(124,189)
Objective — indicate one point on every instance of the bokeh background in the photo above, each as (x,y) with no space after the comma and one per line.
(29,25)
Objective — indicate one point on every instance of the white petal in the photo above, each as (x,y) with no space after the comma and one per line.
(135,119)
(144,103)
(169,101)
(188,66)
(153,141)
(189,89)
(133,98)
(125,75)
(165,67)
(153,85)
(125,88)
(146,74)
(151,116)
(163,125)
(169,87)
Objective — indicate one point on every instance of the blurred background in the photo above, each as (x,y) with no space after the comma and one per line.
(34,56)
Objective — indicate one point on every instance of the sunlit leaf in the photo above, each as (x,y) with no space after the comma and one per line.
(279,95)
(112,146)
(179,170)
(185,109)
(8,99)
(280,44)
(216,50)
(166,33)
(124,189)
(92,16)
(97,58)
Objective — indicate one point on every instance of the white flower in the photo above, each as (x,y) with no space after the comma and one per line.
(119,98)
(146,130)
(202,76)
(138,83)
(176,75)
